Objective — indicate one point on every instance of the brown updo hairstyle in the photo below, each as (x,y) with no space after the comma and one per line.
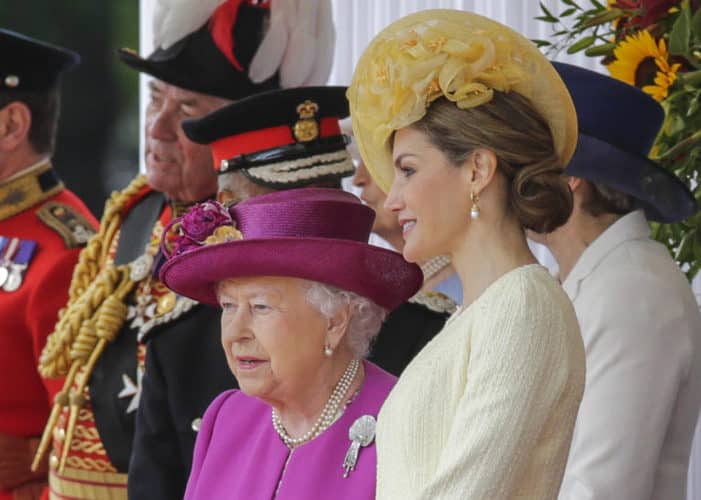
(521,140)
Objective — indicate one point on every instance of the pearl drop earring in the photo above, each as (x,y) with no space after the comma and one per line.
(328,351)
(475,210)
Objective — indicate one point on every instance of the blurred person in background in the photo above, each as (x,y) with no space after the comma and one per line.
(639,318)
(43,226)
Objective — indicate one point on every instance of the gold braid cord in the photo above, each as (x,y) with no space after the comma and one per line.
(92,318)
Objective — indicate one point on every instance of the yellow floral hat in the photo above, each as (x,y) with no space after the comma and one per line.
(461,56)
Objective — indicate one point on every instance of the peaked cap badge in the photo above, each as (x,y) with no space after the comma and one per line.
(306,129)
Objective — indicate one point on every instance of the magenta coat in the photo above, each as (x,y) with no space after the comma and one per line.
(238,454)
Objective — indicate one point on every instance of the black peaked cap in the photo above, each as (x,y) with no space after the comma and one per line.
(31,65)
(266,110)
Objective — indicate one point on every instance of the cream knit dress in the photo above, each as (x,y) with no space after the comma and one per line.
(486,409)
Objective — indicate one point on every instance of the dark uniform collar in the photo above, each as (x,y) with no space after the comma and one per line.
(30,187)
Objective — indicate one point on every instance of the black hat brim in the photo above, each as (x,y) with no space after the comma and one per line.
(195,63)
(663,196)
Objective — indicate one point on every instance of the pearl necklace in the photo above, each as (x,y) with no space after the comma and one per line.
(432,266)
(328,414)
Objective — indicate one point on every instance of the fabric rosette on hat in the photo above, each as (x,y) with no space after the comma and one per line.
(315,234)
(458,55)
(204,224)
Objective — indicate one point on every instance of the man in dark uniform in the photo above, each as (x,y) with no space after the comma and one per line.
(42,228)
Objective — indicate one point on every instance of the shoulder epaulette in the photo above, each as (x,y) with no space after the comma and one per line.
(30,188)
(72,226)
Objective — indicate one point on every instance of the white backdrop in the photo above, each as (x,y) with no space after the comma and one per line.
(357,21)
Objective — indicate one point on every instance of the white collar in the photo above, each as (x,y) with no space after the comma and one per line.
(632,226)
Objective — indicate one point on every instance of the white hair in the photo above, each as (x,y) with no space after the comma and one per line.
(366,317)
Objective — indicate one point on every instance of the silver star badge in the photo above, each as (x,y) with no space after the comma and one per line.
(132,390)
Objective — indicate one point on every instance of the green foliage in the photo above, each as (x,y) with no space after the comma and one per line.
(597,30)
(578,27)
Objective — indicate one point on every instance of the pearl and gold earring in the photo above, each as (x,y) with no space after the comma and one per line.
(328,351)
(475,210)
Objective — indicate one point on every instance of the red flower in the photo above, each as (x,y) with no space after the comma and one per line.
(648,11)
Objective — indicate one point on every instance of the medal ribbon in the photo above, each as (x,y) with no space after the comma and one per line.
(26,252)
(11,247)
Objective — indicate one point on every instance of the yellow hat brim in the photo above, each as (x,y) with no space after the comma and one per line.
(456,54)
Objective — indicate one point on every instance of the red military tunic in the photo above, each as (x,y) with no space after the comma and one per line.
(35,207)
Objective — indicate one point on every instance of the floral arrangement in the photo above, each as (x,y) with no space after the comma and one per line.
(204,224)
(656,46)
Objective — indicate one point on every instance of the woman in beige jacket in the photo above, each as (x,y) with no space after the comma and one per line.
(468,127)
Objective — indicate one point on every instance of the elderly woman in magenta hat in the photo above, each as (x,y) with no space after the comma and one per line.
(468,128)
(302,295)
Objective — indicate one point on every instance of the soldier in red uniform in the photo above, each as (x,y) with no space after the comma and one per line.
(42,229)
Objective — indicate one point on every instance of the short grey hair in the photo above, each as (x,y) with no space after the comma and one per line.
(366,317)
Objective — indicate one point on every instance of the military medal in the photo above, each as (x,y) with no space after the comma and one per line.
(14,278)
(361,433)
(3,268)
(18,265)
(12,244)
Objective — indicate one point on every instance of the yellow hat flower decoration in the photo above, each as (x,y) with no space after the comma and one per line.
(458,55)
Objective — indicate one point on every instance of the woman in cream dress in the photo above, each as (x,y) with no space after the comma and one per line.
(468,128)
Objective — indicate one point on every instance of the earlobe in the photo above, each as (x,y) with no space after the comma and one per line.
(575,183)
(337,327)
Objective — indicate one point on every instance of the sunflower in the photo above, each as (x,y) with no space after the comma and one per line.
(643,63)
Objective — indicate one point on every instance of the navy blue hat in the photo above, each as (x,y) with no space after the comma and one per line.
(214,59)
(618,124)
(281,138)
(30,65)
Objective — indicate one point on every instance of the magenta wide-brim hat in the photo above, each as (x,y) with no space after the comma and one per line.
(313,234)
